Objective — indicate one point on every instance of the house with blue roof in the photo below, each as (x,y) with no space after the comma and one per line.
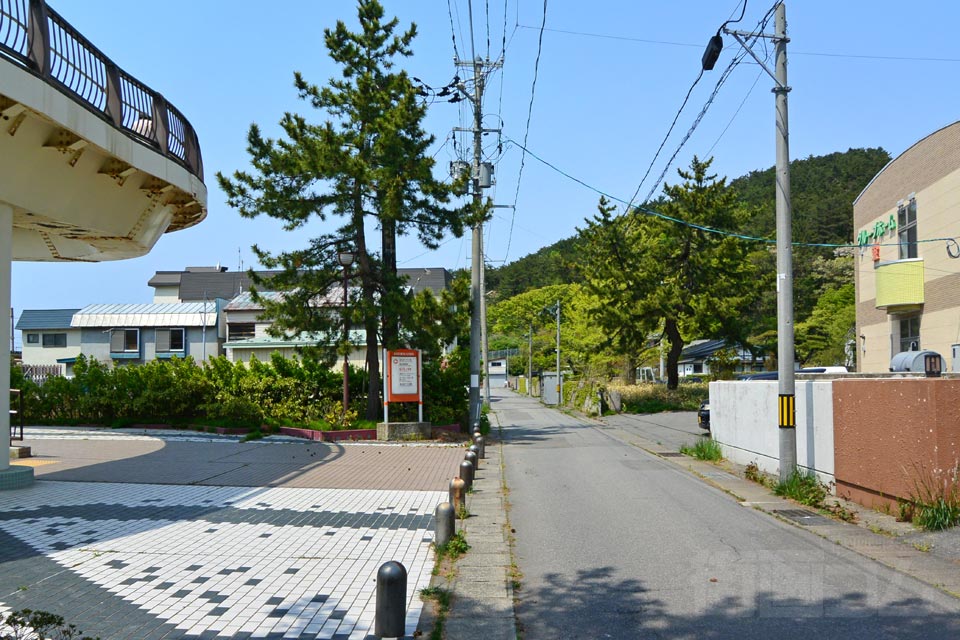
(48,338)
(119,334)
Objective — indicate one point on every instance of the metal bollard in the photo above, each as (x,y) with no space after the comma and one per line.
(391,600)
(476,450)
(466,473)
(474,459)
(458,491)
(444,524)
(481,445)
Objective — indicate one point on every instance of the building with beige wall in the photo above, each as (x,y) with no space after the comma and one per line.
(908,264)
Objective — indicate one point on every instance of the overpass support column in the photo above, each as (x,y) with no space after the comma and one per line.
(6,261)
(11,477)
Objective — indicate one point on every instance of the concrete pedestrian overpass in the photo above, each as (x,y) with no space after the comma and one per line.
(94,164)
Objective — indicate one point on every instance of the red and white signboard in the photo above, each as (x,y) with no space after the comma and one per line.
(403,375)
(402,380)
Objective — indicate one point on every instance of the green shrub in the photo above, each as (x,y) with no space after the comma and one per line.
(234,412)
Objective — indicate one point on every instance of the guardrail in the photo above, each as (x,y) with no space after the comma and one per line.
(35,36)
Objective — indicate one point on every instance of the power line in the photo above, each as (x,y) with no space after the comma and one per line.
(665,138)
(732,234)
(526,133)
(487,3)
(453,31)
(703,111)
(473,51)
(735,113)
(607,36)
(720,82)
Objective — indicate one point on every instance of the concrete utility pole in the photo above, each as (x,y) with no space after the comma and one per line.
(530,363)
(485,352)
(477,307)
(559,375)
(787,422)
(786,401)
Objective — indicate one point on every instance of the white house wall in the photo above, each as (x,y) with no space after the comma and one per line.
(37,354)
(743,420)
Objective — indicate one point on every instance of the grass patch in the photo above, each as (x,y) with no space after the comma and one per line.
(256,434)
(656,398)
(704,449)
(804,487)
(934,503)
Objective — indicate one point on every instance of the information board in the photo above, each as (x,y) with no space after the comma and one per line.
(403,375)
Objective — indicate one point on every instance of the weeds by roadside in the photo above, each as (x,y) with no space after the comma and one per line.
(441,597)
(703,449)
(934,503)
(804,487)
(753,474)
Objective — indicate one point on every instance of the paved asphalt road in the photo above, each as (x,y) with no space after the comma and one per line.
(614,542)
(672,430)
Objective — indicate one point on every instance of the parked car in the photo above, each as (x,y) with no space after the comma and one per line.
(703,415)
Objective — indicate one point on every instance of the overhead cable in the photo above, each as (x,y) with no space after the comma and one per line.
(526,133)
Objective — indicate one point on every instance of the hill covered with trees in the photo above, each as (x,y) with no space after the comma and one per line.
(823,191)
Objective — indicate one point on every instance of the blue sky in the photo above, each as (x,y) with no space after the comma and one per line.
(611,78)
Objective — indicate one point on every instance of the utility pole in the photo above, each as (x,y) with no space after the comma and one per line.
(787,422)
(477,307)
(786,400)
(559,376)
(483,326)
(530,363)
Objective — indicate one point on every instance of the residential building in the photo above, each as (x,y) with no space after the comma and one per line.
(48,338)
(695,358)
(248,332)
(136,333)
(907,274)
(196,284)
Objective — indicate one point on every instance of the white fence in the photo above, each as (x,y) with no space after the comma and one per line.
(743,420)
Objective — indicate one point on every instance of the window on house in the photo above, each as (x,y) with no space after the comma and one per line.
(125,340)
(240,330)
(910,334)
(33,338)
(170,340)
(54,340)
(907,229)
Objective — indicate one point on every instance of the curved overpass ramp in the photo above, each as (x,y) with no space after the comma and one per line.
(94,164)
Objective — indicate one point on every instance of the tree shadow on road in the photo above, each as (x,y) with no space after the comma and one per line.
(598,604)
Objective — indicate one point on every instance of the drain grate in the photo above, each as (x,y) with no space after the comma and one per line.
(670,454)
(800,516)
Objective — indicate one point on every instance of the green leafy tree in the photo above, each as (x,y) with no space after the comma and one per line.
(651,275)
(366,160)
(822,338)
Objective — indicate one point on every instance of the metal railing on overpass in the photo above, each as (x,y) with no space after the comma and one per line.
(35,36)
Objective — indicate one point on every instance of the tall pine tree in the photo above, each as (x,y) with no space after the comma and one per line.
(650,274)
(367,159)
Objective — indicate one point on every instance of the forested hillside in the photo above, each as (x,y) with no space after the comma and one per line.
(823,190)
(606,270)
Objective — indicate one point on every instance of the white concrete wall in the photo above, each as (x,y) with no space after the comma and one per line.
(166,294)
(743,419)
(37,354)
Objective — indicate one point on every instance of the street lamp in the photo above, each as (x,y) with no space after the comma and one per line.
(345,258)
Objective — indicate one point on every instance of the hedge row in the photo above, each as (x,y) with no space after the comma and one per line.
(291,392)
